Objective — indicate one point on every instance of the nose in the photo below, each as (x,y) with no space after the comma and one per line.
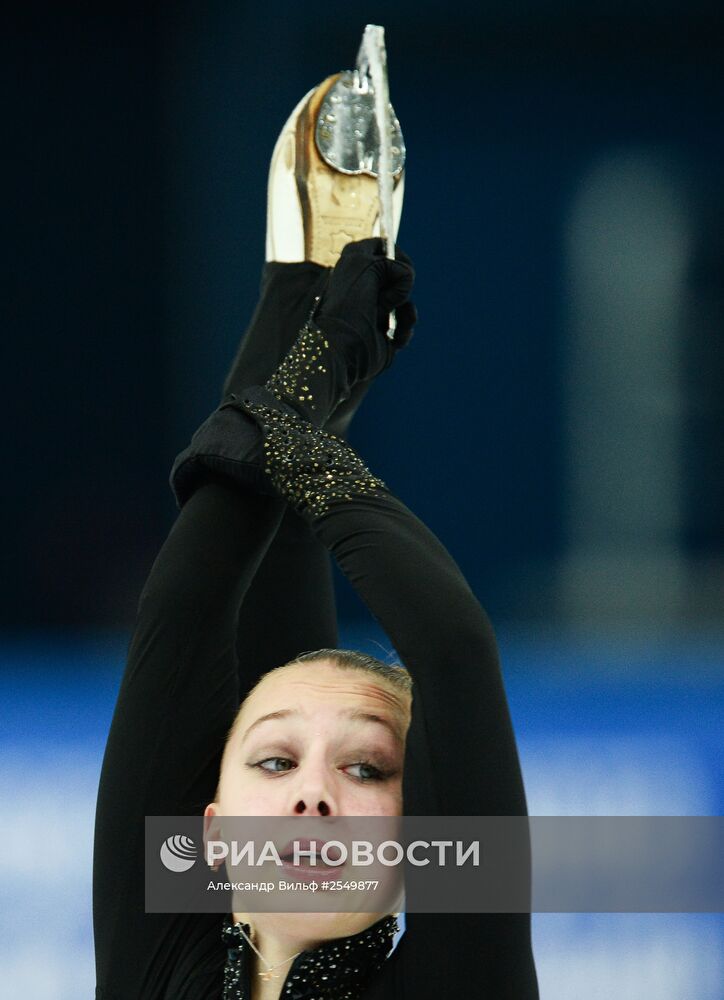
(322,809)
(312,794)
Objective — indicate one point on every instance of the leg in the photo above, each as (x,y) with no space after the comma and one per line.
(290,605)
(181,687)
(286,297)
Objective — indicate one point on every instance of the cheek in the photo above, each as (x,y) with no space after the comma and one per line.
(242,795)
(385,800)
(239,798)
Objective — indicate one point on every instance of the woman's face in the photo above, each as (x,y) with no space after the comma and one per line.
(315,739)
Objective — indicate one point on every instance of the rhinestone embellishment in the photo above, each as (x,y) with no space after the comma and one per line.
(336,970)
(293,381)
(310,468)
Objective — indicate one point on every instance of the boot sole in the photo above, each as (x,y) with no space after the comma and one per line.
(337,208)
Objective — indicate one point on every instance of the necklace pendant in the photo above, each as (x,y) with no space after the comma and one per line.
(268,975)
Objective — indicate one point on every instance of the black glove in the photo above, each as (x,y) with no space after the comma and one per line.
(341,418)
(345,341)
(363,289)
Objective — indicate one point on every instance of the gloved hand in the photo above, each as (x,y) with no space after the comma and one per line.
(345,342)
(364,288)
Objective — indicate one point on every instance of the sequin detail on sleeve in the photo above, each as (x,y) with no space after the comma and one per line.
(310,468)
(305,362)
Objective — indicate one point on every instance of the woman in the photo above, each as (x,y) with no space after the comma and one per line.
(267,489)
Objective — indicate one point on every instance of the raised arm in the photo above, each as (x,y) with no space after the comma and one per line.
(178,696)
(416,591)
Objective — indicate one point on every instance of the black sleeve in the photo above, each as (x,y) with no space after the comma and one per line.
(179,694)
(415,590)
(290,606)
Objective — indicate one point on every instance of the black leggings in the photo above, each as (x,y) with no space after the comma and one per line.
(242,584)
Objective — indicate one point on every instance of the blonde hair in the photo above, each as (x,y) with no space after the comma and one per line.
(350,659)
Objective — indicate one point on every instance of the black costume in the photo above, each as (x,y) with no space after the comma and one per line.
(243,584)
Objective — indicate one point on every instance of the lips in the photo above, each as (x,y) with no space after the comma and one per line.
(313,862)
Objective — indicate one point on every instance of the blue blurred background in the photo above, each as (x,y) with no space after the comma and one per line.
(557,420)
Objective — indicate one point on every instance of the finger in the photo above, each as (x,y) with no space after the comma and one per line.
(401,255)
(406,317)
(396,280)
(373,246)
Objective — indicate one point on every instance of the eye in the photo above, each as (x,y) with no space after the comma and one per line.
(275,765)
(365,772)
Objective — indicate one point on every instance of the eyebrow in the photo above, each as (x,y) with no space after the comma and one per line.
(283,713)
(354,714)
(357,715)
